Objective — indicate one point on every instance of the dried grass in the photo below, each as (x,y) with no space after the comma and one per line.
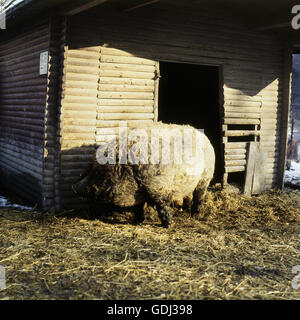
(237,248)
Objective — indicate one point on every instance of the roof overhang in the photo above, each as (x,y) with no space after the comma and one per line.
(271,15)
(31,8)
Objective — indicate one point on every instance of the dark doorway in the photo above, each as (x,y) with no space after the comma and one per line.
(190,94)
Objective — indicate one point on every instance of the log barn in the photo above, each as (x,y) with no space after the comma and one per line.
(70,71)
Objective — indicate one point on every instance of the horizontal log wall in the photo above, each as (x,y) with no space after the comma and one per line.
(78,117)
(126,91)
(22,111)
(111,66)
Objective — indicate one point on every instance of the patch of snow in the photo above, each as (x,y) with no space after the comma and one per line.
(4,203)
(293,175)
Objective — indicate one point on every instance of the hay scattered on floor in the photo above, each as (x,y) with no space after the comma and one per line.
(237,248)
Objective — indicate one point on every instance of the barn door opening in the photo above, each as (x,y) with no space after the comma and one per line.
(190,94)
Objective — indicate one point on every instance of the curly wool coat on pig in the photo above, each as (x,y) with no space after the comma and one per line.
(164,185)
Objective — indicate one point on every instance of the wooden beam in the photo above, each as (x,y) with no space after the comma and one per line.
(273,26)
(285,114)
(141,5)
(79,6)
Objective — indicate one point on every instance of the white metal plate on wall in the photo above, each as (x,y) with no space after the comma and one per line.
(44,63)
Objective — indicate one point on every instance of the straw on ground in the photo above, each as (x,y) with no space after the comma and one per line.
(237,248)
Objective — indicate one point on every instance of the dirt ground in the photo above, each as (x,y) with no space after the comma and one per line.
(237,248)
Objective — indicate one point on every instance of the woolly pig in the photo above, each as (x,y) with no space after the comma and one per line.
(176,176)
